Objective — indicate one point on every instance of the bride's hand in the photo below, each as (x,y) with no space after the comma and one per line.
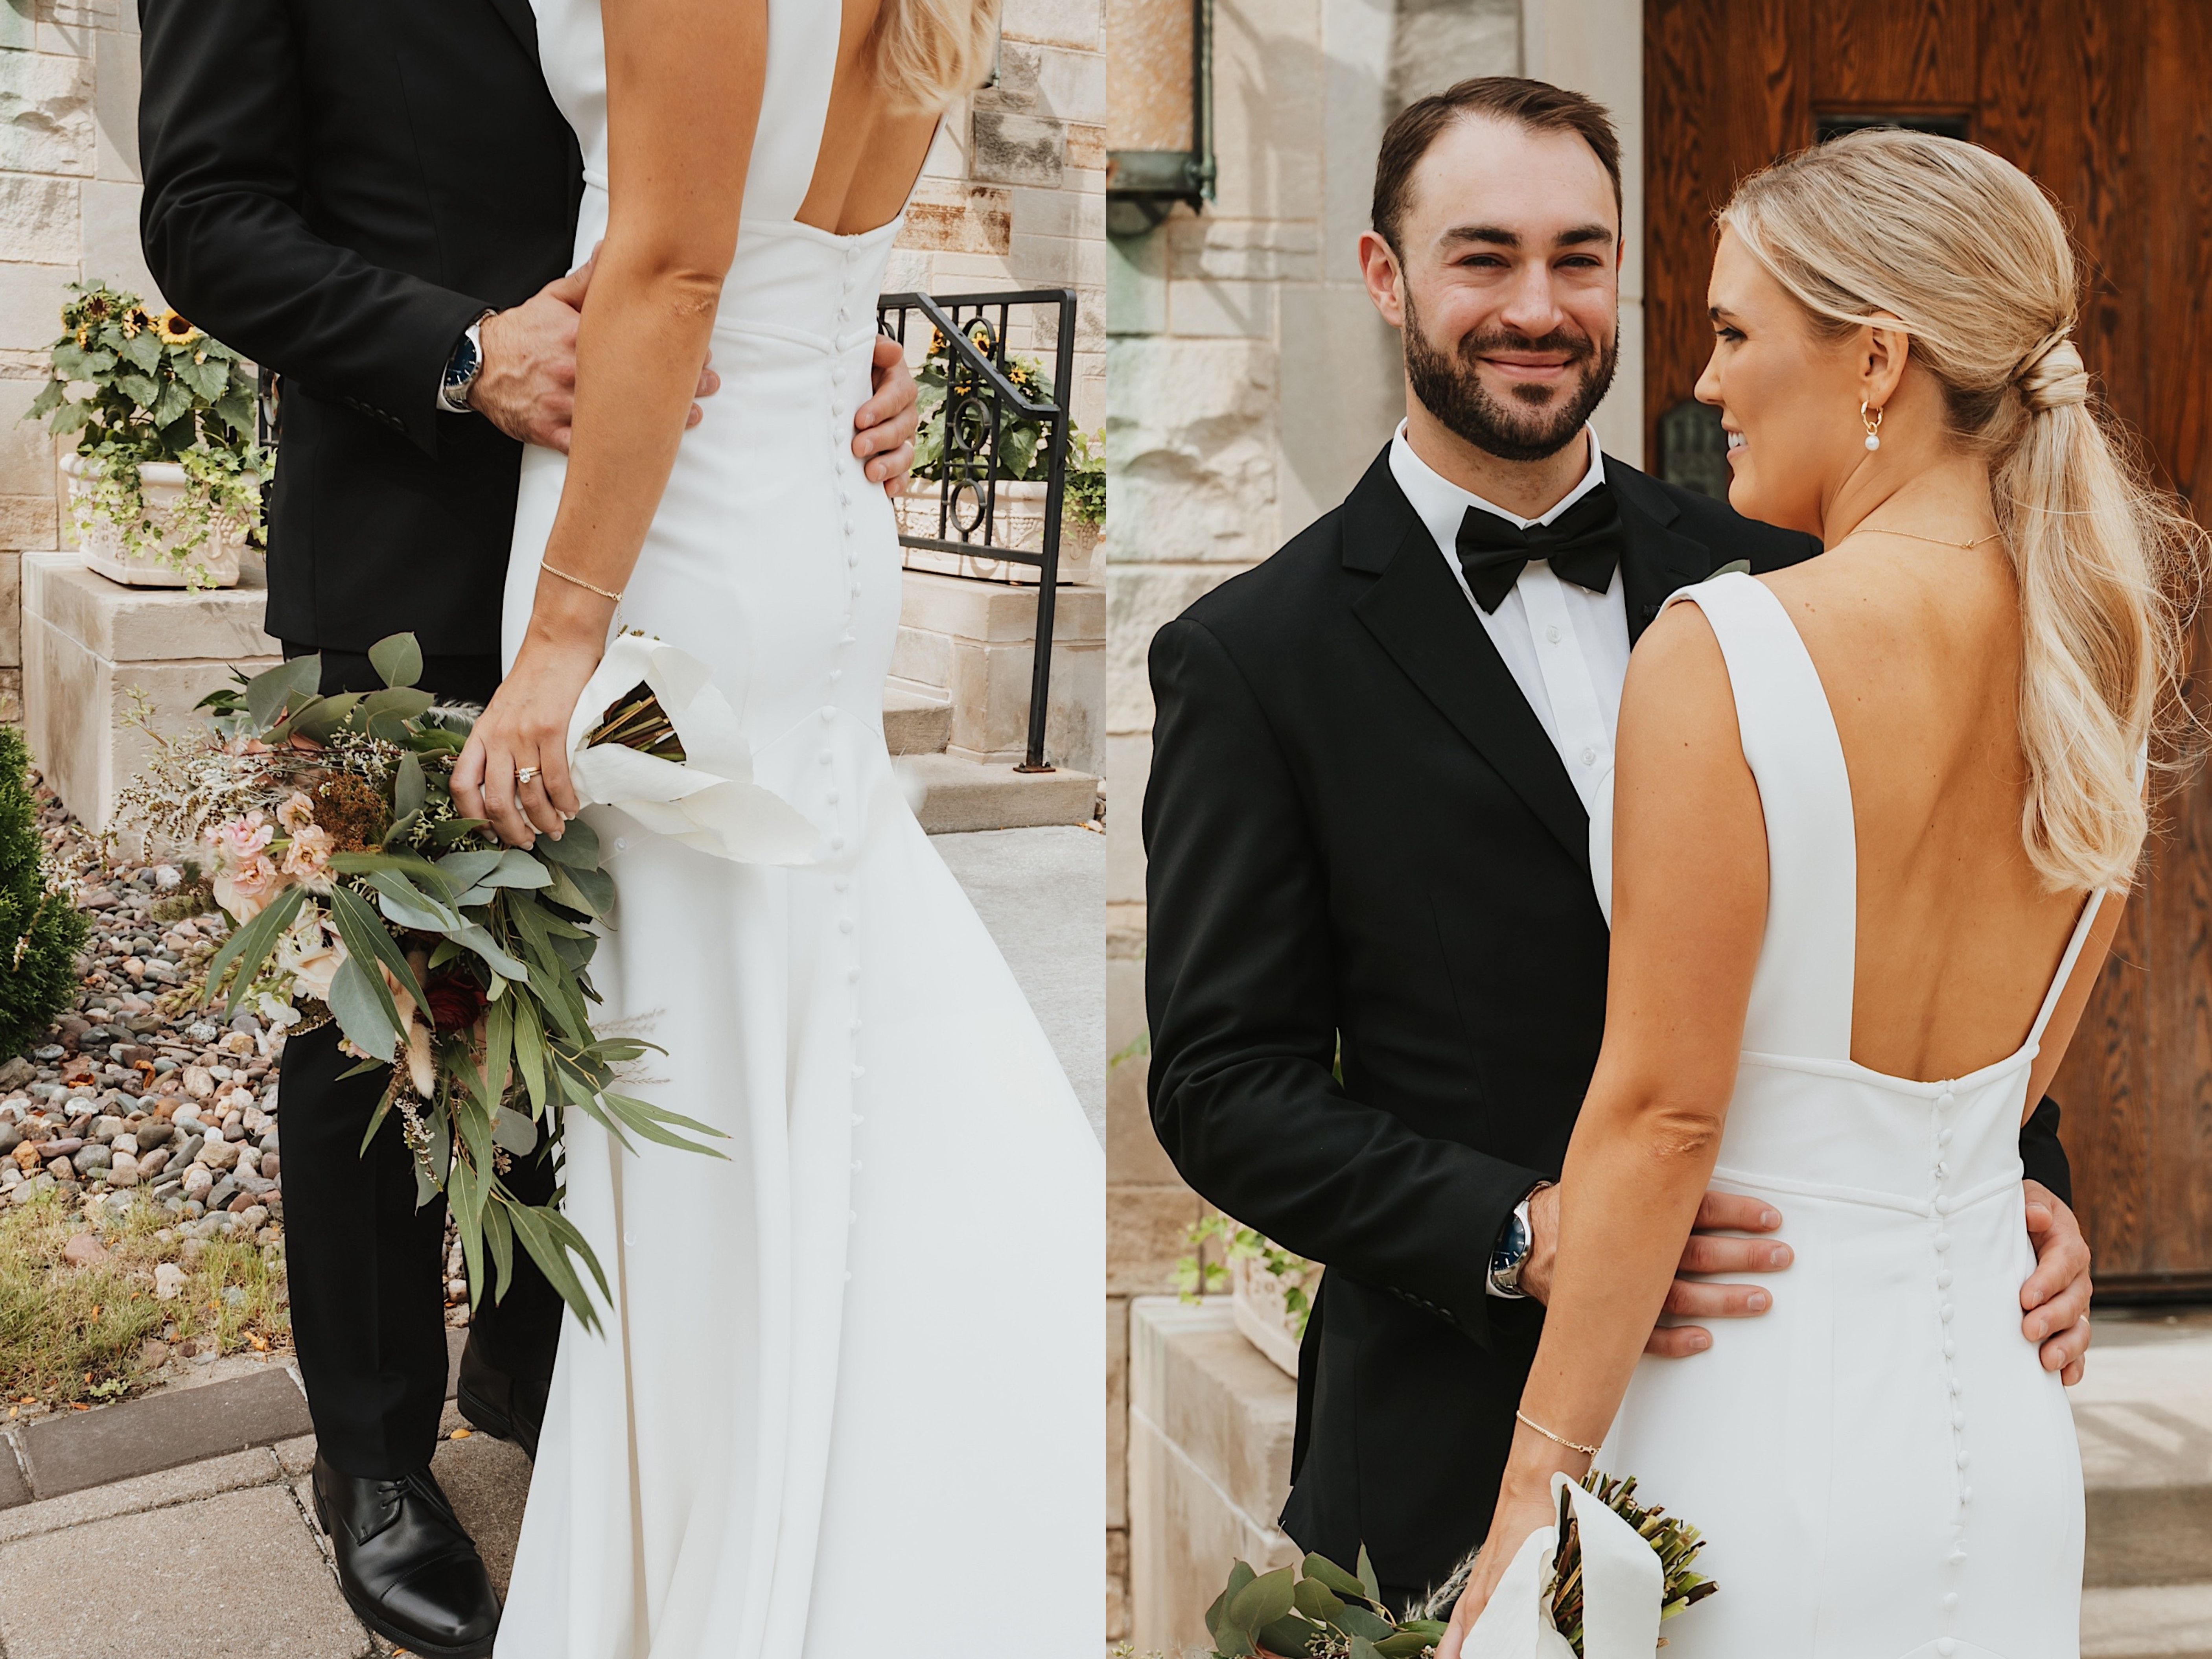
(1517,1518)
(526,726)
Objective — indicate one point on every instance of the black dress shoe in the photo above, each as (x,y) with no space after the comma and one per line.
(405,1565)
(505,1407)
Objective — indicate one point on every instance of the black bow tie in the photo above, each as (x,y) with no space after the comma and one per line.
(1583,545)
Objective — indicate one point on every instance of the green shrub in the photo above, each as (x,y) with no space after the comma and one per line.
(41,930)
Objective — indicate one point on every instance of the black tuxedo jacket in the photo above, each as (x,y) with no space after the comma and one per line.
(337,188)
(1364,848)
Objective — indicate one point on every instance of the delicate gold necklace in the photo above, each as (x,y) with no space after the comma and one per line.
(1937,541)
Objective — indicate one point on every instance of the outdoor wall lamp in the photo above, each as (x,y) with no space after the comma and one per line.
(1159,109)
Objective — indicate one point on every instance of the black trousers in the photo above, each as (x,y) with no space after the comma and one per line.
(365,1265)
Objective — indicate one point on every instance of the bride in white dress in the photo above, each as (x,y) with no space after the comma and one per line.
(1874,820)
(848,1399)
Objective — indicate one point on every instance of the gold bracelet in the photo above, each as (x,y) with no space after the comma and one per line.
(589,587)
(1572,1446)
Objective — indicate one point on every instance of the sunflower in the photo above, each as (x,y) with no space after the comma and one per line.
(175,331)
(134,319)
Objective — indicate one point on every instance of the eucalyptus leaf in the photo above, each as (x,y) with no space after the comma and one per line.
(398,660)
(366,937)
(465,869)
(1363,1648)
(1288,1636)
(268,693)
(1263,1600)
(410,789)
(578,847)
(243,953)
(488,948)
(1317,1601)
(408,906)
(1357,1620)
(1320,1568)
(1368,1581)
(359,1002)
(513,1132)
(516,868)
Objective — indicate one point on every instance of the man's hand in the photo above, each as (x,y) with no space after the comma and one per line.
(527,386)
(1707,1252)
(2057,1294)
(883,427)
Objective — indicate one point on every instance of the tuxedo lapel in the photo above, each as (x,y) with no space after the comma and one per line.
(1418,614)
(1657,559)
(518,16)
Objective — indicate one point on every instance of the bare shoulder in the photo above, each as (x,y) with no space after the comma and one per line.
(1677,690)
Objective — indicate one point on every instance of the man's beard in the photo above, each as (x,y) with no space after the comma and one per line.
(1450,387)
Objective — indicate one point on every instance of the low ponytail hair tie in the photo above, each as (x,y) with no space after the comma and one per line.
(2052,376)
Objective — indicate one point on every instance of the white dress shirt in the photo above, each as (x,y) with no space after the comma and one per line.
(1565,647)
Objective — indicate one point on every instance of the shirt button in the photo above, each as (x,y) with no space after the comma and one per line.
(622,844)
(1942,1280)
(1553,633)
(1589,757)
(829,714)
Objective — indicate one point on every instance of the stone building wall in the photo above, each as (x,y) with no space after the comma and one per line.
(1251,384)
(68,209)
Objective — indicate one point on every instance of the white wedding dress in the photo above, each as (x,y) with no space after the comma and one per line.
(1881,1465)
(848,1401)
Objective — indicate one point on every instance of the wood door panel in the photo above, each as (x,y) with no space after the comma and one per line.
(1880,53)
(2102,102)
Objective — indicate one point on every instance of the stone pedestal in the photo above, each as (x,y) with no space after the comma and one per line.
(1210,1427)
(92,648)
(973,642)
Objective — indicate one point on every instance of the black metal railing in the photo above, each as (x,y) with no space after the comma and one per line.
(986,423)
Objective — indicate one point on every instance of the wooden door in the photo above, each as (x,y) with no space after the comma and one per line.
(2102,101)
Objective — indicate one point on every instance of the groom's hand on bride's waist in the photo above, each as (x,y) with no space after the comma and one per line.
(2055,1300)
(1713,1248)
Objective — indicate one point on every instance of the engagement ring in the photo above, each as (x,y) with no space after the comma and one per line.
(526,775)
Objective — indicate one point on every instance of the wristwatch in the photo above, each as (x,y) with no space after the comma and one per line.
(462,370)
(1511,1254)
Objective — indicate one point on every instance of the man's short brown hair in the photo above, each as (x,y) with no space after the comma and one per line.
(1536,105)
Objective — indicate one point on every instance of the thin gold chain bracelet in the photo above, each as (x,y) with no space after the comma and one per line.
(1560,1439)
(592,588)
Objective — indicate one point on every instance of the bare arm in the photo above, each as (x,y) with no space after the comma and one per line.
(1689,878)
(684,81)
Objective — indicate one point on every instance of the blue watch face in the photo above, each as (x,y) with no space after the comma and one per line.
(1512,1245)
(461,367)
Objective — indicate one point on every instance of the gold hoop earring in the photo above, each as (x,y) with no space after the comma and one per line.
(1870,418)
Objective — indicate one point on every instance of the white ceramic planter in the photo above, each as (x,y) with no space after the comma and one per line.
(1257,1300)
(215,564)
(1020,525)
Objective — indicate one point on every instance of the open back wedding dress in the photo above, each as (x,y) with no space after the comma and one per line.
(847,1401)
(1881,1465)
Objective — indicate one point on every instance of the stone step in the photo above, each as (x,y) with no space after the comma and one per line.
(955,794)
(2150,1621)
(916,723)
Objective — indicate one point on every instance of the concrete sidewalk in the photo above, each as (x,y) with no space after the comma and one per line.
(182,1522)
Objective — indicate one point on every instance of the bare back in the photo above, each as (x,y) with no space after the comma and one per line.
(871,152)
(1917,647)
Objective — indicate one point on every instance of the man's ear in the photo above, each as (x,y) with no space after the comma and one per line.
(1385,280)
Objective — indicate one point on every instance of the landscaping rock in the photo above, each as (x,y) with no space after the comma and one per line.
(84,1250)
(168,1280)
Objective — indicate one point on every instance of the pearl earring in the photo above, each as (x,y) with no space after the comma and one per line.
(1871,419)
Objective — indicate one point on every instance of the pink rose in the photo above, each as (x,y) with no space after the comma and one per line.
(244,892)
(308,857)
(296,813)
(242,839)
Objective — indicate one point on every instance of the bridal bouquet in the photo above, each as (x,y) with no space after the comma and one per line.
(355,886)
(1319,1611)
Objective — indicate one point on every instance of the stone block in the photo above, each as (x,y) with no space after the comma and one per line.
(18,25)
(91,648)
(1343,395)
(1117,1414)
(26,454)
(1042,79)
(1210,1423)
(39,219)
(11,697)
(1145,1237)
(30,297)
(29,524)
(115,103)
(1140,598)
(1128,762)
(112,248)
(46,113)
(1018,150)
(1056,22)
(1086,152)
(1191,445)
(244,1563)
(959,795)
(1245,250)
(1057,212)
(1134,1155)
(1439,43)
(1136,284)
(1205,306)
(947,217)
(973,642)
(11,610)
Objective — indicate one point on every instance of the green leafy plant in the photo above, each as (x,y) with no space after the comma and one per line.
(41,930)
(951,391)
(1086,478)
(160,390)
(1196,1276)
(1315,1610)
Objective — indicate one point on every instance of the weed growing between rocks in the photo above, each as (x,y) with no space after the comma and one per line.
(84,1315)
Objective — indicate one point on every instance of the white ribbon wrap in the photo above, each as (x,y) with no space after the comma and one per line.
(709,800)
(1621,1586)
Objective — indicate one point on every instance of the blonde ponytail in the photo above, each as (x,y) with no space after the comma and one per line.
(1959,249)
(930,53)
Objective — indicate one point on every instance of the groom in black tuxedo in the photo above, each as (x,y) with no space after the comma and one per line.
(1377,968)
(377,202)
